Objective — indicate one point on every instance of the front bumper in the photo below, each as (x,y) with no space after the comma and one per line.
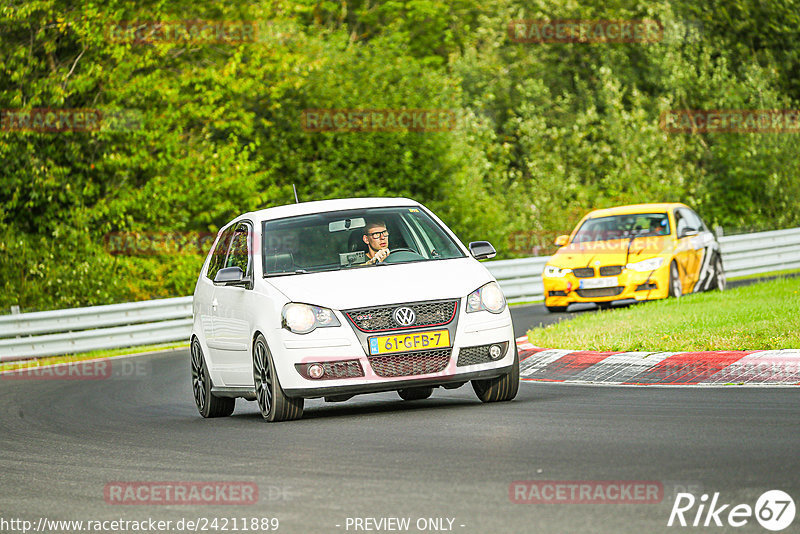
(293,353)
(631,285)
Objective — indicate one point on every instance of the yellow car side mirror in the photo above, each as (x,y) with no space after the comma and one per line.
(562,240)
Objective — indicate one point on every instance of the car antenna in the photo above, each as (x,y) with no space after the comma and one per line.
(295,194)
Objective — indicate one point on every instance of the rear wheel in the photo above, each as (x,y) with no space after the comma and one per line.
(675,286)
(207,404)
(718,282)
(502,388)
(272,401)
(411,394)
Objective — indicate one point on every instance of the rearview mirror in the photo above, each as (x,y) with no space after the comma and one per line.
(482,250)
(346,224)
(229,276)
(561,240)
(687,232)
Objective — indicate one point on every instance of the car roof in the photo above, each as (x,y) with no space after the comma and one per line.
(661,207)
(322,206)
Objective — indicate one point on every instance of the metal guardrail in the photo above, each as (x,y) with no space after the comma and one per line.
(37,334)
(94,328)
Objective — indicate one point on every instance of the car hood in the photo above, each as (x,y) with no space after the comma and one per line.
(612,252)
(385,284)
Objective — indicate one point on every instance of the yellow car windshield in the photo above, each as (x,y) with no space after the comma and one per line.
(622,227)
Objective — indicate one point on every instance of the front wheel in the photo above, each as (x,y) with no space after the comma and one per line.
(207,404)
(272,401)
(675,286)
(500,389)
(556,309)
(718,282)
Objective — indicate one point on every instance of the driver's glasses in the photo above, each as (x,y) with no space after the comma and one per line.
(378,235)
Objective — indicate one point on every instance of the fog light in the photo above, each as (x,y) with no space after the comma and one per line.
(495,352)
(315,370)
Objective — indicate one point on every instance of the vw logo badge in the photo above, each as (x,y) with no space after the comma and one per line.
(404,316)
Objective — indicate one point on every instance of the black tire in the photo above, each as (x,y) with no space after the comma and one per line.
(500,389)
(207,403)
(604,305)
(556,309)
(718,281)
(675,285)
(412,394)
(275,406)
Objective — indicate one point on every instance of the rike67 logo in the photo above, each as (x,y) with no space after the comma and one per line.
(774,510)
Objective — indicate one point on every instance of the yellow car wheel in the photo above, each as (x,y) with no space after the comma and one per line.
(675,286)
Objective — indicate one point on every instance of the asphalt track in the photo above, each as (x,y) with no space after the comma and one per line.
(376,456)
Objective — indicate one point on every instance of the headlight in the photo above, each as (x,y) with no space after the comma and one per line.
(555,272)
(646,265)
(302,318)
(489,297)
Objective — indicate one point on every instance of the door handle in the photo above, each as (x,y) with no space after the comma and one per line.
(214,304)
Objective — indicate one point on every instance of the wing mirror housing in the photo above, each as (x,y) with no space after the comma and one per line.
(231,276)
(482,250)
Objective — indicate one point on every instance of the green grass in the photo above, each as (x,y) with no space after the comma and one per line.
(760,316)
(24,364)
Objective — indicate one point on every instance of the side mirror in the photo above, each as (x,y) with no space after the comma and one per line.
(687,232)
(229,276)
(561,240)
(482,250)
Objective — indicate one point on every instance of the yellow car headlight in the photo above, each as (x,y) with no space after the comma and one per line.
(646,265)
(555,272)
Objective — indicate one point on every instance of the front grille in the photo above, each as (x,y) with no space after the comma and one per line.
(583,272)
(411,363)
(647,287)
(600,292)
(610,270)
(476,355)
(381,318)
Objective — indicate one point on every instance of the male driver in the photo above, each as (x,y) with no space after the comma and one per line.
(376,236)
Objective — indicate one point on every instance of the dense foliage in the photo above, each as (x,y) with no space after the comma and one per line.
(545,132)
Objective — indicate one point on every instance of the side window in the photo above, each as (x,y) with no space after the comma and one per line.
(219,253)
(680,222)
(697,222)
(239,255)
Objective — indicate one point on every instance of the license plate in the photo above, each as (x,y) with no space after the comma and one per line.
(407,342)
(595,283)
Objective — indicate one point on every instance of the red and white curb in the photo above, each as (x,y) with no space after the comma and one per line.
(761,367)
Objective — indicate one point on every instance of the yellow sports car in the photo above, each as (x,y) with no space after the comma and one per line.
(633,253)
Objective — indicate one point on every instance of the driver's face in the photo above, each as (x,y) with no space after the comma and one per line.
(377,243)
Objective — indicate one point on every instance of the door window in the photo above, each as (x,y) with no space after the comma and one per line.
(219,253)
(239,255)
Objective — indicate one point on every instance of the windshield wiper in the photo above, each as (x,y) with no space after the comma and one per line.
(286,273)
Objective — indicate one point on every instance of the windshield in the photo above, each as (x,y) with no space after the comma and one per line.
(622,226)
(335,240)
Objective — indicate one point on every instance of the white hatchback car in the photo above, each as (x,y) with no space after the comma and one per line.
(287,308)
